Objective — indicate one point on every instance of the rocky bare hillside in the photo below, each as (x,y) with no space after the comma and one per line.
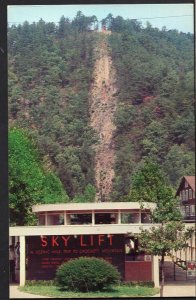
(103,104)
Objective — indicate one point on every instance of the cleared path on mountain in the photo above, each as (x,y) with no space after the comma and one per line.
(102,107)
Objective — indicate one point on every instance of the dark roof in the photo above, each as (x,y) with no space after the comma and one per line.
(190,180)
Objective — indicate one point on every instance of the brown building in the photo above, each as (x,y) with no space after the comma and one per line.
(186,193)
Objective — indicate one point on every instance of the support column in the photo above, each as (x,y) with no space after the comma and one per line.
(119,217)
(93,217)
(22,261)
(65,218)
(155,270)
(140,217)
(46,219)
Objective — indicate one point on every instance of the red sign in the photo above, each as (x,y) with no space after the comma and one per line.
(46,253)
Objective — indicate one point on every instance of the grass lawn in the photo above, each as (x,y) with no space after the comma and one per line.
(115,291)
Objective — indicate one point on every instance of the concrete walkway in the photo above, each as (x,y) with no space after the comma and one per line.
(15,293)
(179,289)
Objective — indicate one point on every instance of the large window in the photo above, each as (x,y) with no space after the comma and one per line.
(79,219)
(182,209)
(187,210)
(128,218)
(106,218)
(41,219)
(55,219)
(183,195)
(146,217)
(190,194)
(192,210)
(187,194)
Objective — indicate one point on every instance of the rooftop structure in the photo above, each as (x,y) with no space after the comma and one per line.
(99,213)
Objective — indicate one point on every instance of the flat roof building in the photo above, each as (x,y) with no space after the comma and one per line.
(70,230)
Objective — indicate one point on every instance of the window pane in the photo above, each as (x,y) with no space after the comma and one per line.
(106,218)
(127,218)
(41,219)
(187,210)
(192,210)
(182,209)
(190,194)
(146,218)
(55,219)
(79,219)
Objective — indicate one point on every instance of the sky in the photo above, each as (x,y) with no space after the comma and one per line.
(173,16)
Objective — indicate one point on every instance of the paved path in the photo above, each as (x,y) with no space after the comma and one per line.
(15,293)
(179,289)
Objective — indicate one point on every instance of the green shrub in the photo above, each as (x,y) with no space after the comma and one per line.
(138,283)
(40,282)
(86,274)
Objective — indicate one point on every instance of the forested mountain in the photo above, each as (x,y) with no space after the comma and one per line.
(155,116)
(51,71)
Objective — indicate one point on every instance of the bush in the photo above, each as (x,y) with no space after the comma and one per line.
(86,274)
(40,282)
(139,283)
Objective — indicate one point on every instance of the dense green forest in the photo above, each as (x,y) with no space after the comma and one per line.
(155,117)
(31,180)
(50,76)
(50,71)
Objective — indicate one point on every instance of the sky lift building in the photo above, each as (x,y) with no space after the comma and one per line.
(104,230)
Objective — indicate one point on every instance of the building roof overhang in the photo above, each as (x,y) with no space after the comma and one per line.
(82,230)
(78,229)
(109,206)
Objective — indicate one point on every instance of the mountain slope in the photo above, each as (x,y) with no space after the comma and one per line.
(98,104)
